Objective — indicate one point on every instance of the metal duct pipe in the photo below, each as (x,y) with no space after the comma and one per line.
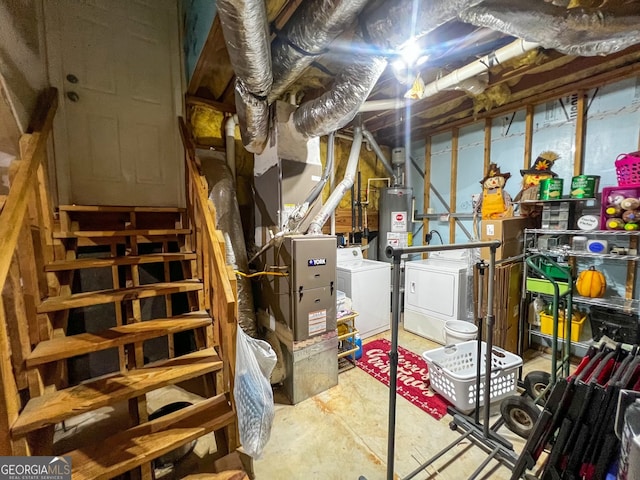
(253,115)
(315,228)
(230,143)
(337,107)
(378,151)
(394,22)
(575,31)
(313,26)
(246,33)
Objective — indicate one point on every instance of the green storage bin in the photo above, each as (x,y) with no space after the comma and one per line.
(540,285)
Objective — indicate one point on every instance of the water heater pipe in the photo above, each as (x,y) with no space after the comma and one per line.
(376,148)
(315,228)
(230,143)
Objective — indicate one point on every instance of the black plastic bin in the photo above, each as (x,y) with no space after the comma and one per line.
(617,325)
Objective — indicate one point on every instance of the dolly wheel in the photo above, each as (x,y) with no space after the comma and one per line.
(535,384)
(453,426)
(519,414)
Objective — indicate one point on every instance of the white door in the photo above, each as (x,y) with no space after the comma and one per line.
(116,64)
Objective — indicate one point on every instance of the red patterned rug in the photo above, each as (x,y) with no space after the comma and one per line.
(413,378)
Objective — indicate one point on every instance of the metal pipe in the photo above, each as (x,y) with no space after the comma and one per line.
(315,228)
(332,179)
(490,322)
(396,254)
(376,148)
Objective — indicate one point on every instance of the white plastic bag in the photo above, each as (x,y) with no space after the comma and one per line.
(255,360)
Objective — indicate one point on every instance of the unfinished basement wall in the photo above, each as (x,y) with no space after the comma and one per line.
(22,55)
(456,159)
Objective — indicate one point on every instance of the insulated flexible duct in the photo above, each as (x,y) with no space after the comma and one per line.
(246,33)
(394,22)
(223,195)
(253,116)
(315,228)
(306,35)
(337,107)
(576,31)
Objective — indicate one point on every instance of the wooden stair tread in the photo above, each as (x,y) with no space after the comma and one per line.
(55,407)
(138,445)
(80,263)
(85,299)
(66,347)
(226,475)
(121,233)
(116,208)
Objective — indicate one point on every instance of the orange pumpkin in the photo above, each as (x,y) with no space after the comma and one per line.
(591,283)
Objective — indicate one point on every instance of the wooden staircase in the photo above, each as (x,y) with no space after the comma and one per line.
(171,325)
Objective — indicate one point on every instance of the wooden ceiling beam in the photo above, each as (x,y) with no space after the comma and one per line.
(526,88)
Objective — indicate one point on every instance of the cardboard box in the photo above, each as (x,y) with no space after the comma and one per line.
(506,304)
(510,231)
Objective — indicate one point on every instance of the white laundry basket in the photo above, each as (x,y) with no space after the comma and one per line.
(452,372)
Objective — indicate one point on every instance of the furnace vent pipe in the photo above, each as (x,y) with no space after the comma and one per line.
(315,228)
(230,143)
(378,151)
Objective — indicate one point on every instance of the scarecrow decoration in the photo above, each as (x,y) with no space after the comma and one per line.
(531,178)
(495,201)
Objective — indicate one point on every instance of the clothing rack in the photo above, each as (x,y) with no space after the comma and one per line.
(580,415)
(480,434)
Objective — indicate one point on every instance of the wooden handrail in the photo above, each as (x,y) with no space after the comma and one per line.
(15,205)
(224,303)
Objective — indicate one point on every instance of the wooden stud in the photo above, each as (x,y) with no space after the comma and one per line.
(578,157)
(427,185)
(453,185)
(487,143)
(528,137)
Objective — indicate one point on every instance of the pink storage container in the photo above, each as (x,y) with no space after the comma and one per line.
(628,168)
(614,194)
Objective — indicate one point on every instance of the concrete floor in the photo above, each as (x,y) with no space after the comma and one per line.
(341,433)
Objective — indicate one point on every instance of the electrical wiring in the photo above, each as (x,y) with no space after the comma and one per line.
(429,236)
(257,274)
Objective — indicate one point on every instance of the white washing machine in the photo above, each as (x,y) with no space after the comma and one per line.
(435,291)
(367,283)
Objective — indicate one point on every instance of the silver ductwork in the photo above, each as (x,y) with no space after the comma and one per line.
(223,194)
(246,33)
(575,31)
(313,26)
(337,107)
(253,116)
(395,21)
